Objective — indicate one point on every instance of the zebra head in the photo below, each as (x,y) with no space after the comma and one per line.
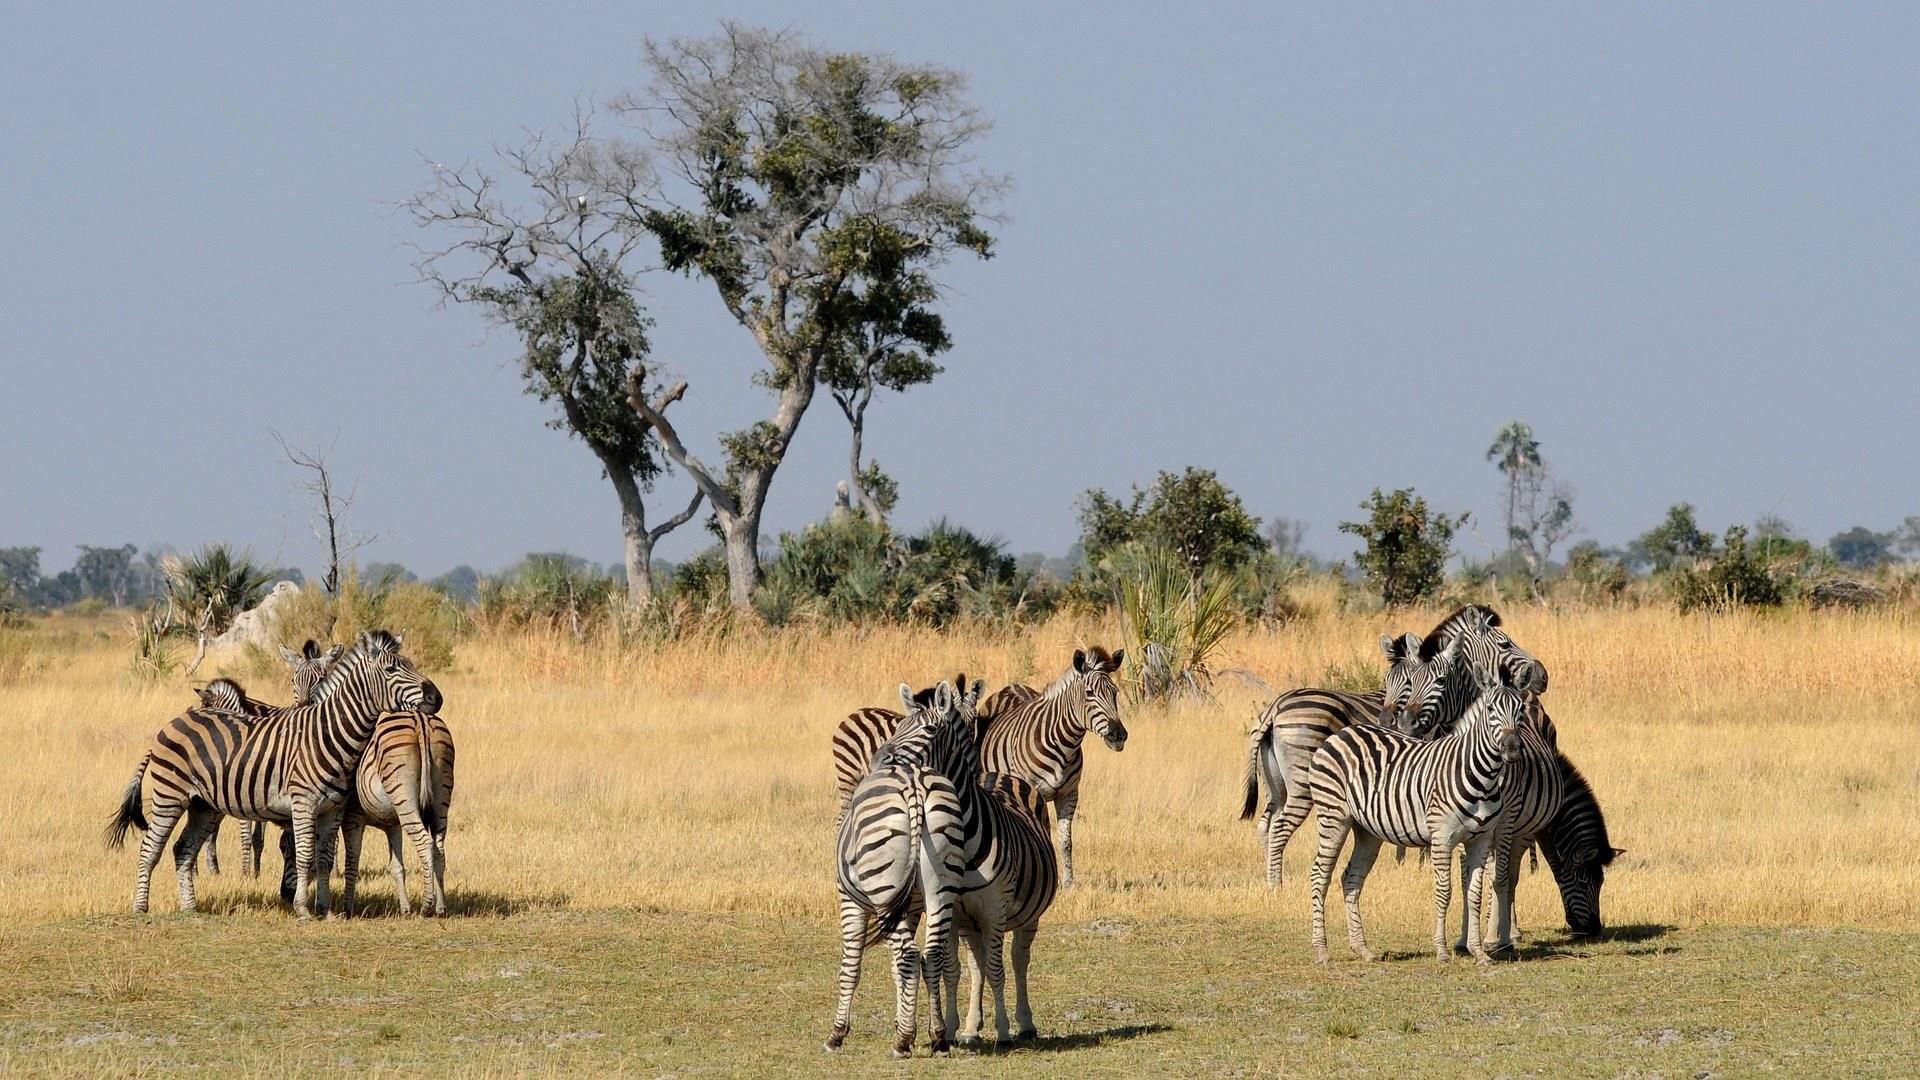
(1497,712)
(1413,698)
(386,680)
(1100,697)
(937,732)
(307,666)
(1477,627)
(1580,874)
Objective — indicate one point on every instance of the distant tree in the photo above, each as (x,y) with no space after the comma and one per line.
(1287,537)
(1735,579)
(1538,505)
(1405,545)
(538,242)
(1906,539)
(1598,571)
(891,353)
(461,583)
(332,508)
(1191,513)
(20,572)
(106,573)
(1677,539)
(1860,548)
(385,574)
(819,192)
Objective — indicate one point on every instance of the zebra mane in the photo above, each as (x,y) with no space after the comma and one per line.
(1571,777)
(344,667)
(1430,645)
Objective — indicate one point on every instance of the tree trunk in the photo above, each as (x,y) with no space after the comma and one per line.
(639,562)
(743,557)
(861,499)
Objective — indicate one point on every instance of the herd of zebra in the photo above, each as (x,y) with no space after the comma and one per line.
(944,809)
(361,744)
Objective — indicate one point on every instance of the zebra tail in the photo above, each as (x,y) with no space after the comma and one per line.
(1253,778)
(129,814)
(1533,857)
(883,925)
(425,798)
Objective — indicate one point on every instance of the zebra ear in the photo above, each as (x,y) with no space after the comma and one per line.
(1390,646)
(333,654)
(292,658)
(1486,672)
(906,698)
(1450,652)
(943,699)
(1080,661)
(1119,657)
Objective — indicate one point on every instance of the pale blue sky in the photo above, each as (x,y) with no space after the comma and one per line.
(1316,250)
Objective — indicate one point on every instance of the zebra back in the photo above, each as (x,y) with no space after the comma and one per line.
(1039,738)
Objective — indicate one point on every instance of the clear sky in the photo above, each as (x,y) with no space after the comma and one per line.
(1316,250)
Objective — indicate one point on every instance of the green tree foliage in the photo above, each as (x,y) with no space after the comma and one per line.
(1538,505)
(1678,539)
(1860,548)
(851,570)
(819,192)
(1597,573)
(1405,545)
(19,574)
(1191,514)
(1735,579)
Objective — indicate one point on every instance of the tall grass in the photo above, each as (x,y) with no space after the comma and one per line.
(1758,768)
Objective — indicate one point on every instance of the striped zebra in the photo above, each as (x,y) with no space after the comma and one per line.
(1011,903)
(1290,730)
(1438,794)
(291,764)
(404,784)
(1035,735)
(888,870)
(305,666)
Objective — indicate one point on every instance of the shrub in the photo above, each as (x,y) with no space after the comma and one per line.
(427,621)
(1406,546)
(1175,620)
(1734,579)
(215,579)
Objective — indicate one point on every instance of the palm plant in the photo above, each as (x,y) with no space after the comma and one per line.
(215,582)
(1175,620)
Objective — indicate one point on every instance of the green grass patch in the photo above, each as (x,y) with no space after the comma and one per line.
(646,993)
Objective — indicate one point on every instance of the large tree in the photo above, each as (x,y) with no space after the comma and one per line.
(819,192)
(1190,513)
(539,241)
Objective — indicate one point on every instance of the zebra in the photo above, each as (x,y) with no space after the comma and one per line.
(1383,786)
(306,666)
(404,783)
(290,764)
(887,873)
(1291,728)
(1034,735)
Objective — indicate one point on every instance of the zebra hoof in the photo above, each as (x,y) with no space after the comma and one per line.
(1027,1035)
(902,1053)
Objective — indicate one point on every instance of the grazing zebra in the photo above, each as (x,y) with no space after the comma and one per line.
(1034,735)
(404,783)
(1383,786)
(887,864)
(1578,851)
(1292,728)
(292,764)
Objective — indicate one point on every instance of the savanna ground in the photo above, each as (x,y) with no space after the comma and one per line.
(640,871)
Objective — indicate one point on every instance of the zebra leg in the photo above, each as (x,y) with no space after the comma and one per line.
(352,832)
(1334,827)
(1473,865)
(1506,876)
(1440,853)
(906,986)
(397,867)
(1460,943)
(303,843)
(942,1009)
(853,936)
(327,844)
(253,838)
(160,825)
(977,949)
(439,870)
(1064,806)
(213,848)
(997,978)
(1295,805)
(1366,848)
(288,864)
(1022,1009)
(202,820)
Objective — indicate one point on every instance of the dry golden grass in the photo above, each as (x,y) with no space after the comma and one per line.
(1759,770)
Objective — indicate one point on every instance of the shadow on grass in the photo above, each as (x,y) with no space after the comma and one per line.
(461,903)
(1086,1040)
